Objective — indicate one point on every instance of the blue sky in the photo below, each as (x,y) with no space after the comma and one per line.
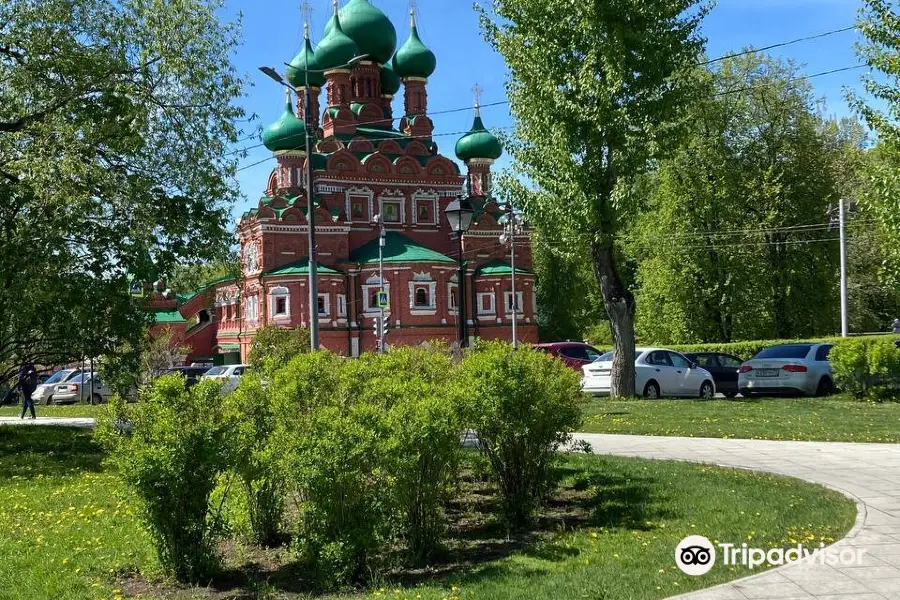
(273,32)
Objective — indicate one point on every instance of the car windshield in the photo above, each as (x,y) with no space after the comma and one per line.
(216,371)
(791,351)
(58,376)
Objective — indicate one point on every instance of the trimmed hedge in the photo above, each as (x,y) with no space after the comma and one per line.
(867,367)
(747,350)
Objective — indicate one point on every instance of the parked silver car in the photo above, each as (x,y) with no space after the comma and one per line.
(82,388)
(788,369)
(43,394)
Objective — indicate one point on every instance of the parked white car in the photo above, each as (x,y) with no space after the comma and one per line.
(44,392)
(788,369)
(229,376)
(658,372)
(82,388)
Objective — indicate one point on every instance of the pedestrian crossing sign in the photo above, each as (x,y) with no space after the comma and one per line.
(383,299)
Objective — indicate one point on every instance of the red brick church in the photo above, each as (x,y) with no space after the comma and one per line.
(366,162)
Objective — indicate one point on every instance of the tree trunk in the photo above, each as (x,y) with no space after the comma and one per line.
(620,307)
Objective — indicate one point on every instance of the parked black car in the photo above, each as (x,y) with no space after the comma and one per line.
(723,367)
(191,375)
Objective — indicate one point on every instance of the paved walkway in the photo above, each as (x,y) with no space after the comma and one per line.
(84,423)
(869,473)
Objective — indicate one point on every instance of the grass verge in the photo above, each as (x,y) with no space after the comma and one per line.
(68,531)
(835,419)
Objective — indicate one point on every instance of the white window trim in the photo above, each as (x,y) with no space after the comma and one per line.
(251,310)
(520,304)
(493,309)
(453,310)
(341,305)
(274,295)
(393,200)
(430,198)
(431,309)
(367,296)
(327,303)
(357,192)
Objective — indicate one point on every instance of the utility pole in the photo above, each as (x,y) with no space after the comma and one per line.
(311,212)
(842,221)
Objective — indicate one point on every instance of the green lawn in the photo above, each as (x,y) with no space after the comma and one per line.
(68,531)
(835,419)
(74,410)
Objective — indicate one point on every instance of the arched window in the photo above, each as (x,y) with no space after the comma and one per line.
(422,297)
(280,302)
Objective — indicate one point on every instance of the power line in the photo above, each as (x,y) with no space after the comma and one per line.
(778,45)
(378,139)
(794,80)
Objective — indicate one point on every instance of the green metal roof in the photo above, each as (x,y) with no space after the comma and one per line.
(398,249)
(498,267)
(168,317)
(301,267)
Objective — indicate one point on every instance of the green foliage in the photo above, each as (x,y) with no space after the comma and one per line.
(370,453)
(749,349)
(879,49)
(192,277)
(172,457)
(596,91)
(115,121)
(131,365)
(730,212)
(867,366)
(523,406)
(273,346)
(250,414)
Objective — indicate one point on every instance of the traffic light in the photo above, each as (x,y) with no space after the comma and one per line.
(381,331)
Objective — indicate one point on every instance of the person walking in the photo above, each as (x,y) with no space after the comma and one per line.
(896,325)
(27,384)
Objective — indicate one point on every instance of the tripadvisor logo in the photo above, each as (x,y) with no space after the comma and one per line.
(696,555)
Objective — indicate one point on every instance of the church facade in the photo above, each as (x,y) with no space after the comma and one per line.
(367,163)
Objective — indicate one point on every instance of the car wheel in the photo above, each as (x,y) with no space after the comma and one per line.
(49,400)
(651,390)
(825,387)
(730,395)
(97,399)
(707,391)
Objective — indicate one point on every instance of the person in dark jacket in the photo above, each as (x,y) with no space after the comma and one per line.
(27,384)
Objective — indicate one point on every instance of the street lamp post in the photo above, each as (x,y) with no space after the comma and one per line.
(460,214)
(511,228)
(310,199)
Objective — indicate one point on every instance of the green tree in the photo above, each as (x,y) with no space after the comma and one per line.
(735,243)
(595,89)
(115,118)
(880,50)
(273,346)
(191,277)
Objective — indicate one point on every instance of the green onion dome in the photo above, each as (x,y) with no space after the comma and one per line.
(336,48)
(305,59)
(414,59)
(370,28)
(287,133)
(390,82)
(478,143)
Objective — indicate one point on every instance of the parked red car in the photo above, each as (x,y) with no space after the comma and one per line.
(574,354)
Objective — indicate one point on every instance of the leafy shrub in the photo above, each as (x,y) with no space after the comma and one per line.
(172,455)
(274,346)
(523,405)
(371,448)
(867,366)
(250,415)
(415,389)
